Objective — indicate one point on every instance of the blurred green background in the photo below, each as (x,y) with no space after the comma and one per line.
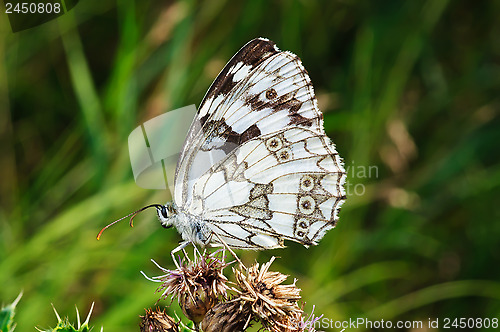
(410,88)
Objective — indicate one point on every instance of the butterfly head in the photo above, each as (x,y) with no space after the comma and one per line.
(166,214)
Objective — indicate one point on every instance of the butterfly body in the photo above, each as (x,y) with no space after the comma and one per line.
(256,167)
(191,227)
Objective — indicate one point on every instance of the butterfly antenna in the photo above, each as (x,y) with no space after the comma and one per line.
(131,215)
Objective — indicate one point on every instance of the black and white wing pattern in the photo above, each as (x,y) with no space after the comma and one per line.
(257,167)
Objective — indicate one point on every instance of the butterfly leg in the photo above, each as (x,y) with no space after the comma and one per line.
(186,254)
(196,251)
(228,249)
(181,246)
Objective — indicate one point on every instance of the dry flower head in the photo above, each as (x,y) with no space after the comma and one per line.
(158,321)
(227,317)
(275,305)
(197,284)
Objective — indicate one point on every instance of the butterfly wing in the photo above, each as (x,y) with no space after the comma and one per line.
(257,166)
(261,90)
(284,185)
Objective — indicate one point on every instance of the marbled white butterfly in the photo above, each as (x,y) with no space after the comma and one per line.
(256,167)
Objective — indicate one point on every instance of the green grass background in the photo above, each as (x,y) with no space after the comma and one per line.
(409,87)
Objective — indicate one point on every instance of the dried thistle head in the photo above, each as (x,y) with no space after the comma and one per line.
(198,285)
(158,321)
(274,304)
(227,317)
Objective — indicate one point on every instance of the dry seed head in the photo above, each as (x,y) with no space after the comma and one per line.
(198,285)
(196,303)
(274,304)
(227,317)
(158,321)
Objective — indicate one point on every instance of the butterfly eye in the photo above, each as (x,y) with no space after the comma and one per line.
(164,212)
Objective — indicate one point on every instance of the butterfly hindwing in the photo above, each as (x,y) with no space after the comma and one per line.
(285,185)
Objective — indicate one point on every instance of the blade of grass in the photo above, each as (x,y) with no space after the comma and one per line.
(436,293)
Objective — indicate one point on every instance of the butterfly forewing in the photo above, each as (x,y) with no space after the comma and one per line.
(260,90)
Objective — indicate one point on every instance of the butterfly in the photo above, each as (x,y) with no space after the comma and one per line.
(256,167)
